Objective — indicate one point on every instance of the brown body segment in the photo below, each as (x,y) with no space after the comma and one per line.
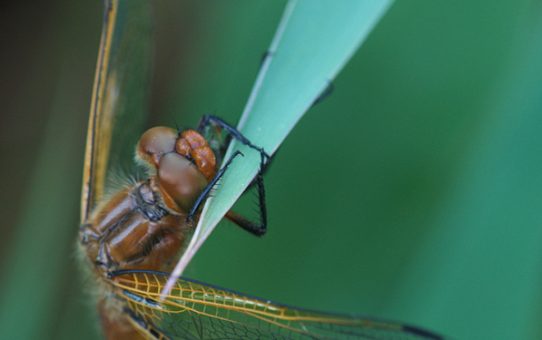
(132,232)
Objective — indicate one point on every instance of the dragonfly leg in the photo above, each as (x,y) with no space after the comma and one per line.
(257,228)
(210,186)
(254,228)
(232,131)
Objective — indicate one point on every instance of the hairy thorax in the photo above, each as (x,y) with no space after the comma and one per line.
(134,230)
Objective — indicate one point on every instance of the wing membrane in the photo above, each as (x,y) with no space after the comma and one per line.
(194,310)
(119,97)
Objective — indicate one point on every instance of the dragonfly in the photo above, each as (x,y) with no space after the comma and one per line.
(131,238)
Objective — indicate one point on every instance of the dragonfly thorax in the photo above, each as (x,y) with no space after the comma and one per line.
(133,230)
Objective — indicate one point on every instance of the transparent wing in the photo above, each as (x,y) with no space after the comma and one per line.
(119,97)
(194,310)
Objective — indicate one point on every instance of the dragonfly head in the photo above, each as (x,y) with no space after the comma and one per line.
(182,164)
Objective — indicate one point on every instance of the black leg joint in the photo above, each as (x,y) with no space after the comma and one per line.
(209,187)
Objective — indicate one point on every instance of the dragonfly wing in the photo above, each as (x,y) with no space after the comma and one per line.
(119,97)
(194,310)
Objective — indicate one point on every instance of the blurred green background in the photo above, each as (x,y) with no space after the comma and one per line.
(412,193)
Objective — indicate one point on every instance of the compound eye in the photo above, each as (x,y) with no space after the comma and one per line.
(154,143)
(180,181)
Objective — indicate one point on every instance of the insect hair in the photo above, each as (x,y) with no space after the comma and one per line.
(118,179)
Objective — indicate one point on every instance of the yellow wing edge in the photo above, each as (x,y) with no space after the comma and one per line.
(98,133)
(194,297)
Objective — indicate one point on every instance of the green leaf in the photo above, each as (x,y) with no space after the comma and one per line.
(313,41)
